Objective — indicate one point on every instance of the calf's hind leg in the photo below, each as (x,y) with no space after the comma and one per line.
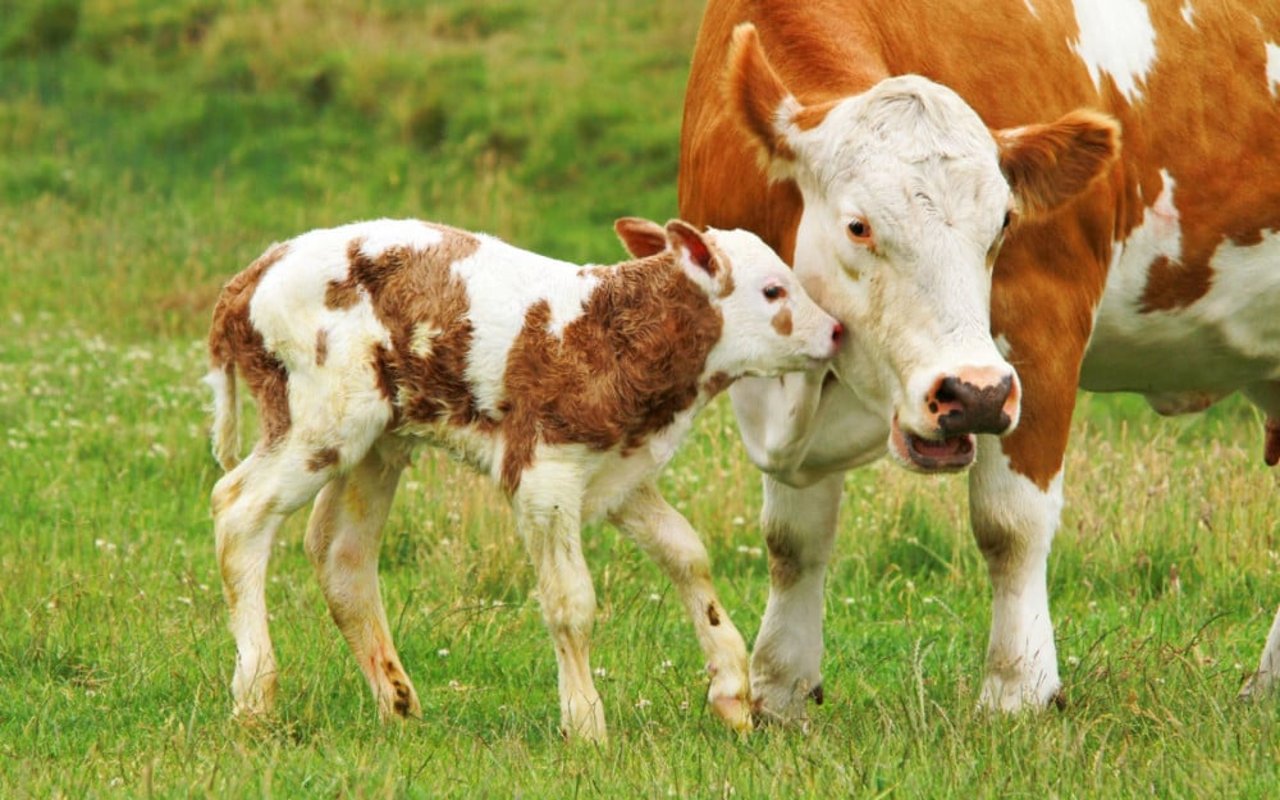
(343,537)
(671,541)
(249,503)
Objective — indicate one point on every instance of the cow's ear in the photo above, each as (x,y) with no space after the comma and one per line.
(641,237)
(1047,165)
(758,98)
(694,254)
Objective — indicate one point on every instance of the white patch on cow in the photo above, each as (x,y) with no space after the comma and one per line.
(1032,8)
(1228,338)
(1118,39)
(503,283)
(1189,14)
(1273,68)
(1004,346)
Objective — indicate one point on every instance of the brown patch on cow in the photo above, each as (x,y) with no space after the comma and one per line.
(1271,449)
(1172,285)
(781,322)
(717,383)
(713,615)
(620,372)
(784,566)
(234,340)
(409,287)
(323,459)
(322,346)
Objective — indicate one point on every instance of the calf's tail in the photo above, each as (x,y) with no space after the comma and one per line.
(226,415)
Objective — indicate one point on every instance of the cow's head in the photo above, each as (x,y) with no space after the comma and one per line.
(907,199)
(770,325)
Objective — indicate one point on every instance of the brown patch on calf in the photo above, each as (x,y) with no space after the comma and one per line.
(717,383)
(622,370)
(323,459)
(409,287)
(322,346)
(713,615)
(234,340)
(782,322)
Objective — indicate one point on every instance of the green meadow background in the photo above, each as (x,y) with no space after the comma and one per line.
(149,149)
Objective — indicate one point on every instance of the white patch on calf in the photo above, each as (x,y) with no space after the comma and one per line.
(503,283)
(1118,39)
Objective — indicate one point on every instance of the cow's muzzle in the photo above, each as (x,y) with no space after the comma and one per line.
(975,400)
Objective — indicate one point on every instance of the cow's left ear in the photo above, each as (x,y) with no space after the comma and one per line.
(694,254)
(1047,165)
(641,237)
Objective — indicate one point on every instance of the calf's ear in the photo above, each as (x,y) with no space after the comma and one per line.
(1047,165)
(694,254)
(641,237)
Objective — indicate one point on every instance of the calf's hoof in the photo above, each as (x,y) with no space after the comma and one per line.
(735,711)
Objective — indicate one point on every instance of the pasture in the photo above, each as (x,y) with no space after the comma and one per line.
(152,149)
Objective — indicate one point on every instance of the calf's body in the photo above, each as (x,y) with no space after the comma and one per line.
(570,386)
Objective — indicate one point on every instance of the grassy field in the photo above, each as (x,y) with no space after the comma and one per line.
(151,149)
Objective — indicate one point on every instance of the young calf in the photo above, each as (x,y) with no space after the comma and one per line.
(570,386)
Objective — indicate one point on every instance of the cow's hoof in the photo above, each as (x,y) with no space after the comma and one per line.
(1012,696)
(1256,686)
(735,711)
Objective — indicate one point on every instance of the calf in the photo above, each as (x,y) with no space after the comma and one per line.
(569,386)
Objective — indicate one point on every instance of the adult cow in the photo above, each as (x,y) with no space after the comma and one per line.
(903,146)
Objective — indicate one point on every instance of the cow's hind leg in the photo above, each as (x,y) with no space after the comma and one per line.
(669,540)
(799,527)
(343,537)
(249,503)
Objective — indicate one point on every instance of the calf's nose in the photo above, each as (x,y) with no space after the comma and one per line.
(974,400)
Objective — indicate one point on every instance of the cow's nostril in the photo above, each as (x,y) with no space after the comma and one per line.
(948,391)
(837,332)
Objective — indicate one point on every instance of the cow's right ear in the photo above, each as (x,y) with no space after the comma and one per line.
(759,100)
(641,237)
(1047,165)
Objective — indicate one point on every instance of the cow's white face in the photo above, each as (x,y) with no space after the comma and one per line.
(907,198)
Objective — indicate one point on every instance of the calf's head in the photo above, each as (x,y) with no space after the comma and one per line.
(907,198)
(769,324)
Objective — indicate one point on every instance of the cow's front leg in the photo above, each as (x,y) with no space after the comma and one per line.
(1014,520)
(1268,675)
(671,541)
(799,527)
(548,514)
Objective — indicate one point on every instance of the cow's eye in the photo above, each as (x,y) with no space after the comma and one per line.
(774,292)
(860,230)
(1008,219)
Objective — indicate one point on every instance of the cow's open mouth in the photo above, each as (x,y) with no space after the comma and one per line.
(929,455)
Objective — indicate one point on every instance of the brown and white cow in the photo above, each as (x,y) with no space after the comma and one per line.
(948,179)
(570,386)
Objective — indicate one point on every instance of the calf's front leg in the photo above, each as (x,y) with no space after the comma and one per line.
(671,541)
(548,515)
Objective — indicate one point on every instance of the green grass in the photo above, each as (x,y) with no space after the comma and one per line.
(152,149)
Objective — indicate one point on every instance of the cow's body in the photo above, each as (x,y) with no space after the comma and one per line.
(1162,276)
(570,386)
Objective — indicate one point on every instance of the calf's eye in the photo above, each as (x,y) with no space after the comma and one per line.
(774,292)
